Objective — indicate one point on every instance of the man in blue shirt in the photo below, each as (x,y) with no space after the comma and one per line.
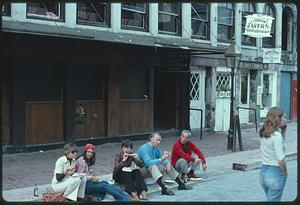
(155,164)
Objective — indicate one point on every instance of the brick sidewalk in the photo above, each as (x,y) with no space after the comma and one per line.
(27,169)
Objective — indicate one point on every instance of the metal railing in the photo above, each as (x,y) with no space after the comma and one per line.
(201,117)
(248,108)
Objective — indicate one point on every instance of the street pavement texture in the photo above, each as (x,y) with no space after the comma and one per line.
(233,186)
(20,172)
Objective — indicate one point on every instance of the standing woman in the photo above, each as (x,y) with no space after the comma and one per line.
(133,179)
(63,181)
(94,186)
(273,171)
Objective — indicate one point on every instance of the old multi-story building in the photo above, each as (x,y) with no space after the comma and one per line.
(76,71)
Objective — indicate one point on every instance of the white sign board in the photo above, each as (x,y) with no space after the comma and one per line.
(271,55)
(258,25)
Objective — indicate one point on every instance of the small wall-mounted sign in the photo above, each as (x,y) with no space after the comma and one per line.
(271,55)
(175,62)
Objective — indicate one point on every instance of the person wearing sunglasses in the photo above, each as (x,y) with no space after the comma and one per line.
(96,187)
(63,181)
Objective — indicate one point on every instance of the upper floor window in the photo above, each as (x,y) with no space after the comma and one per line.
(93,13)
(6,10)
(270,41)
(134,16)
(287,26)
(169,18)
(200,20)
(45,10)
(225,21)
(247,9)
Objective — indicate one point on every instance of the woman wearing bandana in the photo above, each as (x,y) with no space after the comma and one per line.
(94,186)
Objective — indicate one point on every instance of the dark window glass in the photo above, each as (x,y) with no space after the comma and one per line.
(87,81)
(50,11)
(248,9)
(93,13)
(225,21)
(43,82)
(200,20)
(6,10)
(287,26)
(169,18)
(134,83)
(134,16)
(270,41)
(244,88)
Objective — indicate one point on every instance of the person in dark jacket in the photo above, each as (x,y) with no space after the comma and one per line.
(126,172)
(183,160)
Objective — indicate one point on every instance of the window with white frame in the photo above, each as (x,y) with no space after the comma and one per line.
(225,21)
(267,94)
(134,16)
(270,41)
(247,9)
(6,10)
(169,15)
(45,10)
(95,13)
(200,20)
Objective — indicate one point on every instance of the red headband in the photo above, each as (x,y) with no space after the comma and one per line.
(89,146)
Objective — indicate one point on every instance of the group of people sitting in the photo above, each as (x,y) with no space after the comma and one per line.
(75,177)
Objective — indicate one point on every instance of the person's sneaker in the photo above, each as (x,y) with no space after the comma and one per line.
(192,176)
(185,187)
(167,192)
(184,178)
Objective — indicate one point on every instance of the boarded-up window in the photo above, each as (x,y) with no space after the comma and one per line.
(43,81)
(134,83)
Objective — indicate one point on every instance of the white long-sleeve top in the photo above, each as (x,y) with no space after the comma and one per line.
(272,149)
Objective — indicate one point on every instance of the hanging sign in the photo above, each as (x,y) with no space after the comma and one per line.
(258,25)
(271,55)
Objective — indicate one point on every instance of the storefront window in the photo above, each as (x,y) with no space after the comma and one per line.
(244,88)
(169,18)
(200,16)
(6,10)
(51,11)
(248,9)
(134,16)
(267,90)
(93,13)
(225,21)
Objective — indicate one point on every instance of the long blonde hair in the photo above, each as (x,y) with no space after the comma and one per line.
(272,122)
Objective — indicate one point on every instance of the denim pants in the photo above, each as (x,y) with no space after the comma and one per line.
(99,189)
(273,181)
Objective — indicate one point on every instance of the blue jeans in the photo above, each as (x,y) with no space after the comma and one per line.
(99,189)
(273,181)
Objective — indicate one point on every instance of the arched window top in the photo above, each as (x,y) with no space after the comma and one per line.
(289,11)
(248,7)
(269,10)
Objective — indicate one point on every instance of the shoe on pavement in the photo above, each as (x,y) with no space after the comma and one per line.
(184,178)
(167,192)
(192,176)
(143,196)
(185,187)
